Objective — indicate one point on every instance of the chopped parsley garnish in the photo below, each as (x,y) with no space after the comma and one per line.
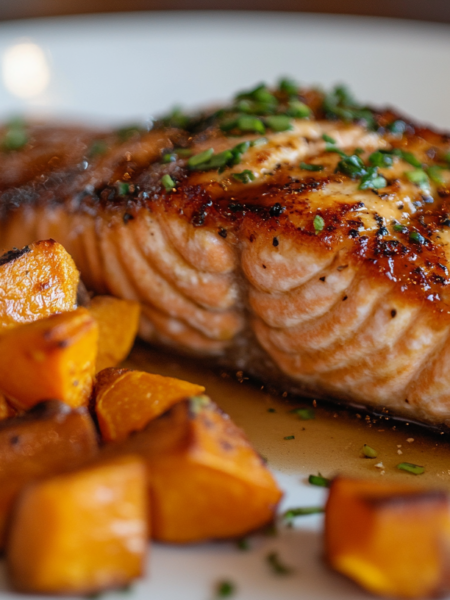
(243,544)
(279,123)
(399,228)
(123,188)
(207,160)
(125,133)
(352,166)
(397,127)
(415,236)
(411,468)
(318,223)
(435,174)
(252,124)
(303,511)
(167,182)
(381,159)
(328,139)
(177,119)
(319,480)
(244,177)
(225,589)
(183,152)
(289,437)
(410,158)
(420,178)
(15,136)
(298,110)
(169,157)
(310,167)
(198,159)
(372,180)
(369,452)
(98,147)
(288,86)
(340,104)
(260,93)
(277,566)
(305,414)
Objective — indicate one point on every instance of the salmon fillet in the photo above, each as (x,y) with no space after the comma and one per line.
(291,234)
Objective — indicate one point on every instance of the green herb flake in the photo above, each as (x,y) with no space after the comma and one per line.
(318,223)
(416,237)
(397,127)
(183,152)
(203,157)
(410,158)
(125,133)
(252,124)
(298,110)
(305,414)
(372,180)
(279,123)
(243,544)
(352,166)
(288,86)
(277,566)
(310,167)
(262,141)
(167,182)
(271,410)
(435,174)
(369,452)
(399,228)
(319,480)
(15,137)
(381,159)
(420,178)
(98,147)
(303,511)
(168,158)
(411,468)
(123,188)
(244,177)
(289,437)
(177,118)
(225,589)
(328,139)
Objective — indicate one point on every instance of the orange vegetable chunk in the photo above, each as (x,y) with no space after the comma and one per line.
(126,400)
(81,532)
(37,281)
(391,538)
(205,479)
(51,358)
(47,440)
(6,410)
(118,322)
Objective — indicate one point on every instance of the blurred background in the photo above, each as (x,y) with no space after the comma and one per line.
(429,10)
(107,61)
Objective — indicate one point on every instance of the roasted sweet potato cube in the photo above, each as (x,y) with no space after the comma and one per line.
(6,410)
(393,539)
(118,322)
(81,532)
(127,400)
(37,281)
(206,481)
(47,440)
(51,358)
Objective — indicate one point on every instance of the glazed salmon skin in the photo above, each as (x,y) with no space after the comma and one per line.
(292,234)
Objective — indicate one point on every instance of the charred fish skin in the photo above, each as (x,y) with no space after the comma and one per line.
(293,234)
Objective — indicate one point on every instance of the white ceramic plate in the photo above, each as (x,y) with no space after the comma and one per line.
(129,67)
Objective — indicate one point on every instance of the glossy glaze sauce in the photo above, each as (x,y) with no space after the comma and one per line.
(330,443)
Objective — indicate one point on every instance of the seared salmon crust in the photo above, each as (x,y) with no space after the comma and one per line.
(295,235)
